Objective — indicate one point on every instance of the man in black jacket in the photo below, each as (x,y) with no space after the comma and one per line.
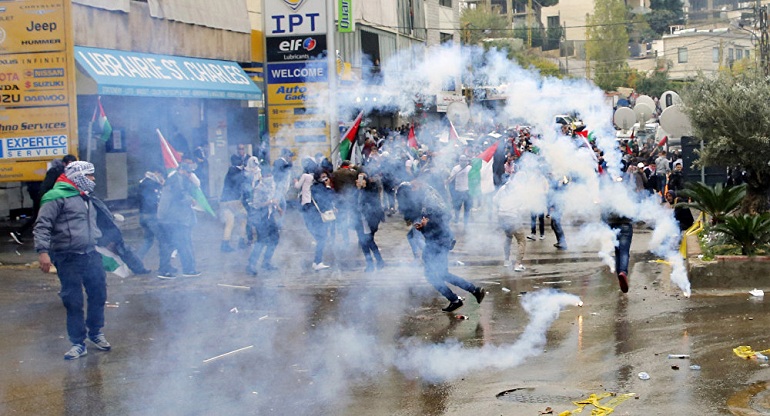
(439,240)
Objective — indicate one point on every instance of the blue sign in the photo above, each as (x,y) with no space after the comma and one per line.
(300,72)
(141,74)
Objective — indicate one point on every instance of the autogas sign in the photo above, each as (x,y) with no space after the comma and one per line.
(295,17)
(295,48)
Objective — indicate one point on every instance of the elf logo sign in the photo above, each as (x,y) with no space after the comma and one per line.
(295,17)
(295,48)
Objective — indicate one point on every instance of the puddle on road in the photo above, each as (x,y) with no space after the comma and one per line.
(753,401)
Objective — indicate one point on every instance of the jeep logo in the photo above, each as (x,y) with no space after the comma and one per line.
(37,27)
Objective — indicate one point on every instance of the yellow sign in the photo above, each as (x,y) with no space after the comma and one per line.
(34,79)
(37,87)
(302,94)
(22,171)
(33,26)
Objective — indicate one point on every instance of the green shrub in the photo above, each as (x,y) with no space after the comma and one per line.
(750,233)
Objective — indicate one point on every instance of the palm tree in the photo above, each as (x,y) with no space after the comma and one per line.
(716,202)
(750,232)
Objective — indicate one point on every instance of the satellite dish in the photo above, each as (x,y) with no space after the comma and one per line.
(458,113)
(669,98)
(624,118)
(675,122)
(643,112)
(645,99)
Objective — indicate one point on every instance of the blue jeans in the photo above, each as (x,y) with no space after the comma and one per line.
(416,241)
(462,200)
(179,237)
(435,259)
(268,235)
(556,227)
(78,271)
(149,223)
(533,219)
(622,250)
(317,228)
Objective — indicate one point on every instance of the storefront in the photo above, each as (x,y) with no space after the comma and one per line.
(194,103)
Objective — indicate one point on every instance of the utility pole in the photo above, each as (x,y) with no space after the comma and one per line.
(764,38)
(588,59)
(529,23)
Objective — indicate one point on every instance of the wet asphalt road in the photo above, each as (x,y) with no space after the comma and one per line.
(340,342)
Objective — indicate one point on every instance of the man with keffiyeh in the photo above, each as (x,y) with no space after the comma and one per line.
(65,236)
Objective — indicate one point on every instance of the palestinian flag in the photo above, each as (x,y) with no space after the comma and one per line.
(481,177)
(171,159)
(349,138)
(104,125)
(412,139)
(62,188)
(663,141)
(112,262)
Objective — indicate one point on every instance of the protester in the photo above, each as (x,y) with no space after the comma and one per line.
(368,215)
(662,169)
(232,210)
(321,200)
(344,180)
(624,230)
(149,196)
(676,179)
(510,223)
(460,190)
(439,240)
(176,218)
(682,215)
(265,216)
(65,236)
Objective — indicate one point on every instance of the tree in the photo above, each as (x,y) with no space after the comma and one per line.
(607,43)
(732,119)
(481,22)
(665,13)
(655,84)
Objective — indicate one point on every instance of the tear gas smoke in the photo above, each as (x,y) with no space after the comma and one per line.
(449,360)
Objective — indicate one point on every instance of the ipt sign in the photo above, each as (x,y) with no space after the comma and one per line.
(295,17)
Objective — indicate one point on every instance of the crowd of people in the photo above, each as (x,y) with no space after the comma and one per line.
(432,185)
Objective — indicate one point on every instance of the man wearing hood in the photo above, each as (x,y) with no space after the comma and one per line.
(65,236)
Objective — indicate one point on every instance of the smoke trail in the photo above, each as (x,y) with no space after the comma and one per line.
(449,360)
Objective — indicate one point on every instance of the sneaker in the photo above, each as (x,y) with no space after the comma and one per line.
(166,276)
(507,263)
(531,237)
(519,268)
(251,271)
(369,268)
(193,273)
(479,294)
(380,265)
(623,281)
(100,342)
(320,266)
(560,247)
(77,351)
(454,306)
(16,237)
(542,237)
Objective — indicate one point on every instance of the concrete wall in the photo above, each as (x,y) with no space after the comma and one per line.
(700,46)
(139,32)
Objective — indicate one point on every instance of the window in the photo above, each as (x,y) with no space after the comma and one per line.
(446,37)
(747,53)
(445,3)
(739,54)
(730,54)
(715,55)
(682,53)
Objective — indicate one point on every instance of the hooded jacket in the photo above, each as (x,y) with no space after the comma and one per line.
(66,222)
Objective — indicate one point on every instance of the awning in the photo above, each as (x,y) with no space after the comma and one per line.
(149,75)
